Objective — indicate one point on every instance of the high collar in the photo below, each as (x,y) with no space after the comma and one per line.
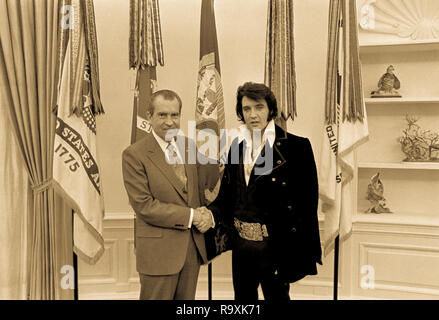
(269,134)
(277,150)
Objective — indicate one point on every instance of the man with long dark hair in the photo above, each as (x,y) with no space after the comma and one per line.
(268,199)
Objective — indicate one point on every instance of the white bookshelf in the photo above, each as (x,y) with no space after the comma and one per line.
(403,45)
(399,165)
(409,186)
(403,100)
(398,217)
(402,246)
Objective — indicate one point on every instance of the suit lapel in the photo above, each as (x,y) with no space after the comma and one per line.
(278,160)
(155,153)
(191,172)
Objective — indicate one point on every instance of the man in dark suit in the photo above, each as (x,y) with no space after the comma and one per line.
(162,188)
(268,199)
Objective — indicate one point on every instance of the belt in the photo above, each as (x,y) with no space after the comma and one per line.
(251,230)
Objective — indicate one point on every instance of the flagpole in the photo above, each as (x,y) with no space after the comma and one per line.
(209,281)
(75,265)
(336,254)
(75,268)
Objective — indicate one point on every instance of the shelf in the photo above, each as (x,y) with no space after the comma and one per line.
(400,165)
(417,100)
(399,46)
(403,218)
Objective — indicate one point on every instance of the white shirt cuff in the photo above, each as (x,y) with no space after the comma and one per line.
(191,218)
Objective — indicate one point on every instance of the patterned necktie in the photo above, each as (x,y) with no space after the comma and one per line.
(175,162)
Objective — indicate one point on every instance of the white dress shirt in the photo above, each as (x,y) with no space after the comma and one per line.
(251,155)
(164,145)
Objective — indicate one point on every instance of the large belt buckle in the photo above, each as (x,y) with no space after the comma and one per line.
(251,230)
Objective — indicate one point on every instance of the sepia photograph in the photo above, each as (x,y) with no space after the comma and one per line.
(219,150)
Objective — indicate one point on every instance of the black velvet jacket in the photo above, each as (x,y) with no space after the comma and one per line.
(284,197)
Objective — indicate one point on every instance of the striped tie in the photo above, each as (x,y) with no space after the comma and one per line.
(175,162)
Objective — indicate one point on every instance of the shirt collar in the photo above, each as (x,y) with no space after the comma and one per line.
(162,143)
(269,134)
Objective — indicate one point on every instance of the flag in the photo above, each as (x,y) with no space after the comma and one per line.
(345,123)
(280,75)
(75,164)
(209,111)
(145,86)
(145,53)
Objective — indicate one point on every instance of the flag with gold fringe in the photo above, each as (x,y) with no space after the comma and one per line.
(145,54)
(75,165)
(280,74)
(209,111)
(345,123)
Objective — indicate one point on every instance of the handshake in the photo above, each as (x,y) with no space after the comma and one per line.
(203,219)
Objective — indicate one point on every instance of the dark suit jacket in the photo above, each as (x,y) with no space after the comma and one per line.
(162,206)
(286,196)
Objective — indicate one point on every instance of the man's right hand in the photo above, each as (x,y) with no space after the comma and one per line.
(202,219)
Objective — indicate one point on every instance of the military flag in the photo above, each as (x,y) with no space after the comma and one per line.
(76,169)
(145,53)
(209,111)
(280,74)
(345,123)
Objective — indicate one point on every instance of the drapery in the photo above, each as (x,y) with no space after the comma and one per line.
(15,194)
(28,54)
(280,75)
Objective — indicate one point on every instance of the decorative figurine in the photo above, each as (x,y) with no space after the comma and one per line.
(431,149)
(419,145)
(387,85)
(375,191)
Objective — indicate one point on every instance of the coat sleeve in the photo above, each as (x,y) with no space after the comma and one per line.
(311,187)
(146,207)
(218,239)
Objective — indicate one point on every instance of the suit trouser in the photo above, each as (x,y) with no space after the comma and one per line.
(180,286)
(252,264)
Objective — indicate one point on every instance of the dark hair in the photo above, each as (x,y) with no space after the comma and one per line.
(165,94)
(256,91)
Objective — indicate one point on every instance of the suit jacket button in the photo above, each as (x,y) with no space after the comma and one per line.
(279,161)
(278,144)
(284,183)
(293,229)
(290,208)
(273,179)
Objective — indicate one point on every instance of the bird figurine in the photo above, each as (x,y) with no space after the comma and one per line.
(387,85)
(375,194)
